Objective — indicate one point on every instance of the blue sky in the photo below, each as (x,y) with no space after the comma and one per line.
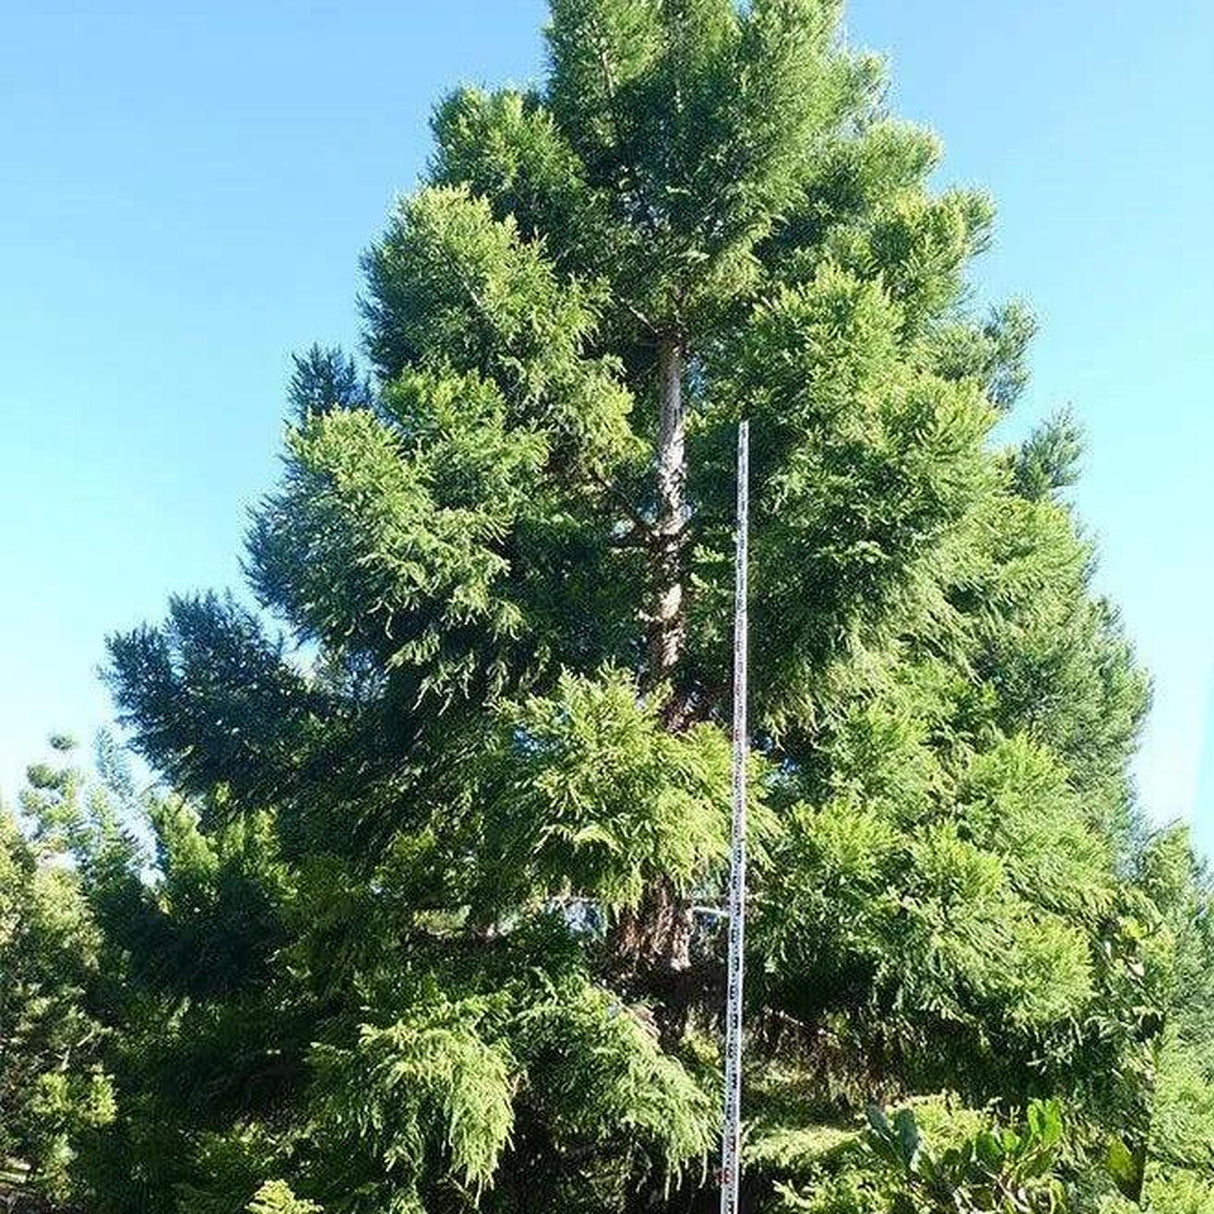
(188,187)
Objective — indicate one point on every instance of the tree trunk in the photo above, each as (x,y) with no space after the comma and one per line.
(667,627)
(651,946)
(651,951)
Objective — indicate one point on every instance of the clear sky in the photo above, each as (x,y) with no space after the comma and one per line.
(188,186)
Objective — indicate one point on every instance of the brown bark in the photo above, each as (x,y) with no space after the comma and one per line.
(651,949)
(651,945)
(656,936)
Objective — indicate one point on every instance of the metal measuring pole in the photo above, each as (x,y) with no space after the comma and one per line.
(731,1138)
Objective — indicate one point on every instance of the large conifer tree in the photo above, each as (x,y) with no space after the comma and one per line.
(426,935)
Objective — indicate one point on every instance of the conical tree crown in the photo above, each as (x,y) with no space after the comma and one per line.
(481,783)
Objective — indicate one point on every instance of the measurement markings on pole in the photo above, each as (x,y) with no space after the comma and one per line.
(731,1137)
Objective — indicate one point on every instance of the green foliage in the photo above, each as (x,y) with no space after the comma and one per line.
(588,795)
(429,1072)
(599,1074)
(422,923)
(275,1197)
(450,286)
(930,1154)
(54,1087)
(1004,1169)
(404,551)
(323,380)
(1048,460)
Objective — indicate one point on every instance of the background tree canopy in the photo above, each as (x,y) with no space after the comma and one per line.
(421,926)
